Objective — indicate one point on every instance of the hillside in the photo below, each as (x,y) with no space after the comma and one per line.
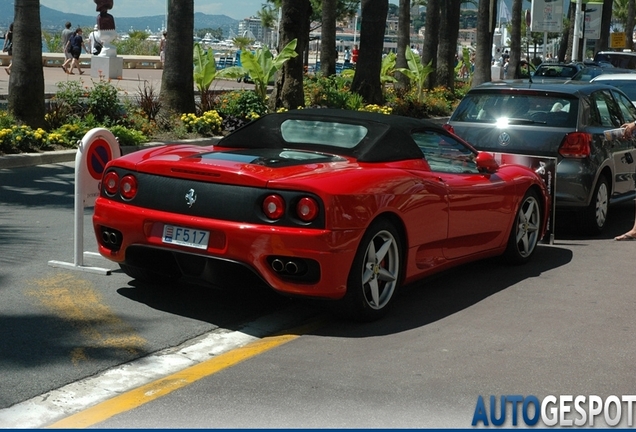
(53,20)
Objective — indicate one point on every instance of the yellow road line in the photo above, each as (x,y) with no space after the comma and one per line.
(161,387)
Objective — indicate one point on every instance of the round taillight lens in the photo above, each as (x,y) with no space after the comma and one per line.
(128,187)
(111,182)
(307,209)
(274,206)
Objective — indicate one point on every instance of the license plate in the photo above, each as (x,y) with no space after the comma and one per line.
(185,236)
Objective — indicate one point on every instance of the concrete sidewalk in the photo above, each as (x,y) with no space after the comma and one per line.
(131,82)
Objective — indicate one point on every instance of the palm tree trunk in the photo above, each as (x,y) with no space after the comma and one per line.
(366,81)
(513,70)
(486,16)
(328,38)
(431,40)
(288,89)
(403,43)
(26,83)
(177,82)
(449,32)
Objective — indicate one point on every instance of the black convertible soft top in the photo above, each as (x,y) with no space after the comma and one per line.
(388,138)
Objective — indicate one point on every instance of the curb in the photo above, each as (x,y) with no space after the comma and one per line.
(30,159)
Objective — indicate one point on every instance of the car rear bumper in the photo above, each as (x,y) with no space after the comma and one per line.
(327,255)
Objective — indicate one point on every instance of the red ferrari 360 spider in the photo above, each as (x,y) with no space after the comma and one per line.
(322,203)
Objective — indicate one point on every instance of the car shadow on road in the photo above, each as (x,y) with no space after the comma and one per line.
(450,292)
(241,299)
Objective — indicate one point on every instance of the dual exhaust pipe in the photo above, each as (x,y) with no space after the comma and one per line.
(289,267)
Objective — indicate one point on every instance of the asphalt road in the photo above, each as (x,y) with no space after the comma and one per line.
(563,324)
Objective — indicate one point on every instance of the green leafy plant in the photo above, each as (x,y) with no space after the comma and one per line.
(128,137)
(148,100)
(261,66)
(204,74)
(103,102)
(240,103)
(416,71)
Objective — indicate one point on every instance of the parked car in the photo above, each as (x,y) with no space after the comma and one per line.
(564,121)
(588,73)
(619,59)
(625,81)
(322,203)
(559,71)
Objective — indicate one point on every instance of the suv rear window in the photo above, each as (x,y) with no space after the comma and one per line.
(542,109)
(617,59)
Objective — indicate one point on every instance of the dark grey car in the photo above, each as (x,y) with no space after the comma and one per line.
(565,121)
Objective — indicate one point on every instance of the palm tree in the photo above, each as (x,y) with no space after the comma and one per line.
(431,38)
(629,24)
(515,41)
(606,22)
(486,13)
(366,81)
(288,89)
(449,33)
(328,53)
(403,42)
(177,82)
(26,83)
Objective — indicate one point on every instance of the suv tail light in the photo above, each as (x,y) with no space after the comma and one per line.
(449,128)
(576,145)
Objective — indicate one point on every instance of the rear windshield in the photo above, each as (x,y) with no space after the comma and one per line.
(617,59)
(322,133)
(541,109)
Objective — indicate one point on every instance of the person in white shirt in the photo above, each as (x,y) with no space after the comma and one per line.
(93,41)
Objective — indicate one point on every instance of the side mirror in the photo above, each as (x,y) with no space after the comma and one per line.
(486,163)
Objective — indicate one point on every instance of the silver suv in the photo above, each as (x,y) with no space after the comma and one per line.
(565,121)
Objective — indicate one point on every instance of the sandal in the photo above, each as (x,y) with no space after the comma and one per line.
(70,73)
(626,236)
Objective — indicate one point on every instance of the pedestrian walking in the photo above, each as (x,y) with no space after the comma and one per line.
(93,41)
(67,33)
(354,54)
(162,47)
(75,45)
(630,129)
(8,47)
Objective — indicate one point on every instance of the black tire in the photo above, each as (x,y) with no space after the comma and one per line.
(594,216)
(239,79)
(375,274)
(526,230)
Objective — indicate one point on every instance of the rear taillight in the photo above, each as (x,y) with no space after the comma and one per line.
(576,145)
(274,206)
(307,209)
(449,128)
(128,187)
(110,183)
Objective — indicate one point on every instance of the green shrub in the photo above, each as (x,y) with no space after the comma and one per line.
(128,137)
(240,103)
(103,102)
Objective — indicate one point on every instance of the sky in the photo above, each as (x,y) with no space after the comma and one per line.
(237,9)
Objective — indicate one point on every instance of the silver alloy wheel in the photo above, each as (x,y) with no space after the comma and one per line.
(528,226)
(381,266)
(602,204)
